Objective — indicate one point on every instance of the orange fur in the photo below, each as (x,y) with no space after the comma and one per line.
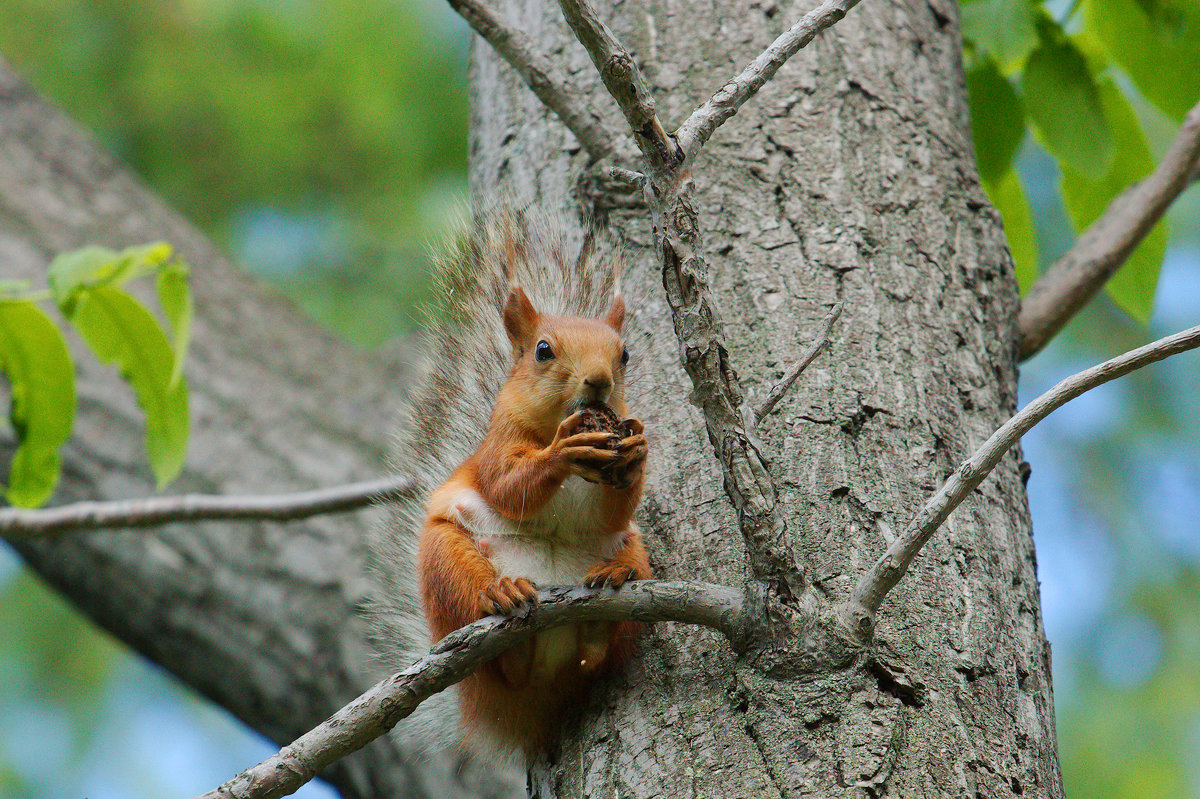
(530,521)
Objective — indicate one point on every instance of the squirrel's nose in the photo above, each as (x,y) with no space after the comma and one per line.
(598,386)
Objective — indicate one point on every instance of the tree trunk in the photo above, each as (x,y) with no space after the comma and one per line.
(261,618)
(850,177)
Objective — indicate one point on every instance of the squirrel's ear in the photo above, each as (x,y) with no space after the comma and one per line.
(520,317)
(616,313)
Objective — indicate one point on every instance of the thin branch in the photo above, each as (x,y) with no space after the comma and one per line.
(153,511)
(1075,278)
(624,82)
(808,357)
(627,176)
(693,133)
(552,87)
(459,654)
(888,570)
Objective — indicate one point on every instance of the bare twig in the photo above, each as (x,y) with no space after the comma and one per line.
(888,570)
(552,87)
(808,357)
(624,82)
(153,511)
(628,176)
(693,133)
(379,709)
(1075,278)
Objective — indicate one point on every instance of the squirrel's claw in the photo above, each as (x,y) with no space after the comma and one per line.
(507,596)
(632,427)
(591,462)
(633,448)
(613,575)
(567,426)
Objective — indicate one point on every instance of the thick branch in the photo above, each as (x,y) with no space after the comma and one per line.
(453,658)
(888,570)
(156,511)
(1075,278)
(624,82)
(552,87)
(798,368)
(693,133)
(717,391)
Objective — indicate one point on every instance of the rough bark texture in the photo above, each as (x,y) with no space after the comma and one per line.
(849,178)
(262,619)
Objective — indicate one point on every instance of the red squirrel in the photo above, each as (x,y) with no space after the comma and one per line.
(539,503)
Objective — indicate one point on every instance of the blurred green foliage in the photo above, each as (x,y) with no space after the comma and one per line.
(323,142)
(1079,66)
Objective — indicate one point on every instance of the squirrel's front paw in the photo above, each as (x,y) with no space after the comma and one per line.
(610,574)
(507,596)
(631,455)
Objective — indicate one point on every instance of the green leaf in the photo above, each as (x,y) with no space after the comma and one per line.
(997,119)
(99,266)
(35,358)
(1004,28)
(1157,42)
(175,297)
(1009,199)
(121,331)
(1132,288)
(141,259)
(71,270)
(1064,104)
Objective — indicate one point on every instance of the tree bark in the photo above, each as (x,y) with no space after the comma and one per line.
(261,618)
(850,177)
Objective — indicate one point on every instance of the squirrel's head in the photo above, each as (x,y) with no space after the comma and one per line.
(565,362)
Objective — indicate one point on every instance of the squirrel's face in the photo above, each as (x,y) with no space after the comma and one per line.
(562,362)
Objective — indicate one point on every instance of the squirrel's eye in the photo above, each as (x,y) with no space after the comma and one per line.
(543,351)
(624,356)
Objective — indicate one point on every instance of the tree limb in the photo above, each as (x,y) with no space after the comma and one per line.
(798,368)
(624,82)
(156,511)
(459,654)
(1075,278)
(887,571)
(694,132)
(717,391)
(553,88)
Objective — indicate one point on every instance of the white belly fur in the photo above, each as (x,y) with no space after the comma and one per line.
(557,546)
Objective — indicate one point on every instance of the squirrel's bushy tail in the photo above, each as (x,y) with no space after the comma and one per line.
(466,359)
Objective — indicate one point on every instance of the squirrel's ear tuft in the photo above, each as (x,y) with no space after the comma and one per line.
(615,318)
(520,317)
